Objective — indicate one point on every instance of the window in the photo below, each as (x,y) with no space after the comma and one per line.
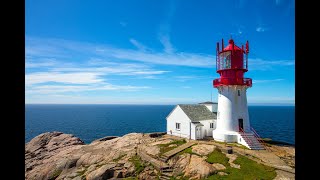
(225,60)
(238,92)
(178,126)
(211,125)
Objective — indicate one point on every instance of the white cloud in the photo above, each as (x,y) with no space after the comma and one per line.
(138,45)
(262,65)
(56,89)
(40,64)
(261,29)
(107,53)
(149,72)
(78,99)
(267,80)
(72,78)
(66,76)
(165,41)
(270,99)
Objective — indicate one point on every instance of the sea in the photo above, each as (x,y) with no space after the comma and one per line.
(90,122)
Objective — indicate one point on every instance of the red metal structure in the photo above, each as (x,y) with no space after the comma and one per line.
(231,64)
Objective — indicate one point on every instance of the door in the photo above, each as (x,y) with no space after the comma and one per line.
(240,124)
(198,132)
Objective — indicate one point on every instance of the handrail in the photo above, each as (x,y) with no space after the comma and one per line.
(259,138)
(244,137)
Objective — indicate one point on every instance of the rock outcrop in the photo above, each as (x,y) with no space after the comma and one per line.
(55,155)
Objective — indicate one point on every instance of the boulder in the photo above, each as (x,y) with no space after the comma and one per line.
(203,149)
(104,172)
(218,166)
(198,168)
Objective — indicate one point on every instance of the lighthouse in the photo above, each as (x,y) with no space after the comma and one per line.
(232,124)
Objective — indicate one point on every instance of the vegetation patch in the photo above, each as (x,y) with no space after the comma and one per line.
(130,178)
(165,147)
(217,156)
(179,178)
(55,174)
(100,165)
(189,151)
(81,173)
(139,166)
(249,170)
(237,145)
(120,157)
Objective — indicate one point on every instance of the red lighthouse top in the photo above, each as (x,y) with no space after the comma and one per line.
(231,64)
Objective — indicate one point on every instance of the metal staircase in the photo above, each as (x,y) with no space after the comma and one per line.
(252,139)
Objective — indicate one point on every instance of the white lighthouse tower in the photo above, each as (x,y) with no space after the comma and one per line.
(233,123)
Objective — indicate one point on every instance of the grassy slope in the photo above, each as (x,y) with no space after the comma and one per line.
(249,168)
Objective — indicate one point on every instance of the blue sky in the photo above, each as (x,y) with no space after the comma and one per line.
(154,52)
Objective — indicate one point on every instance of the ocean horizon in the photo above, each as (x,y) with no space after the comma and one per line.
(93,121)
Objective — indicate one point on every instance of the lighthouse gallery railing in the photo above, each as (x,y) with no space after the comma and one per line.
(232,81)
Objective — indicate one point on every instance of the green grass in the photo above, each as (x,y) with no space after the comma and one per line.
(217,156)
(237,145)
(117,159)
(180,178)
(249,170)
(231,144)
(131,178)
(189,151)
(165,147)
(55,174)
(80,173)
(139,166)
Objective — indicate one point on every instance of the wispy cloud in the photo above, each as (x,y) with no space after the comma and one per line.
(185,78)
(259,64)
(68,74)
(56,89)
(267,80)
(165,41)
(42,63)
(165,28)
(107,53)
(261,29)
(270,99)
(71,78)
(138,45)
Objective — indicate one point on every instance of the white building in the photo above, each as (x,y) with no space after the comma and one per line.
(192,121)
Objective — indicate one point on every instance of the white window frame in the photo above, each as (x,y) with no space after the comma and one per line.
(178,126)
(211,125)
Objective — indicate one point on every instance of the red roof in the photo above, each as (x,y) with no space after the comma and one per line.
(229,47)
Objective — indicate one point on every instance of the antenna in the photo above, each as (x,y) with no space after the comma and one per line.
(211,95)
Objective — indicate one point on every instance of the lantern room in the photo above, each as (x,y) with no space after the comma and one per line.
(231,64)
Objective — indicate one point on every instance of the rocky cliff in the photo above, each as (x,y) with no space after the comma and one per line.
(55,155)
